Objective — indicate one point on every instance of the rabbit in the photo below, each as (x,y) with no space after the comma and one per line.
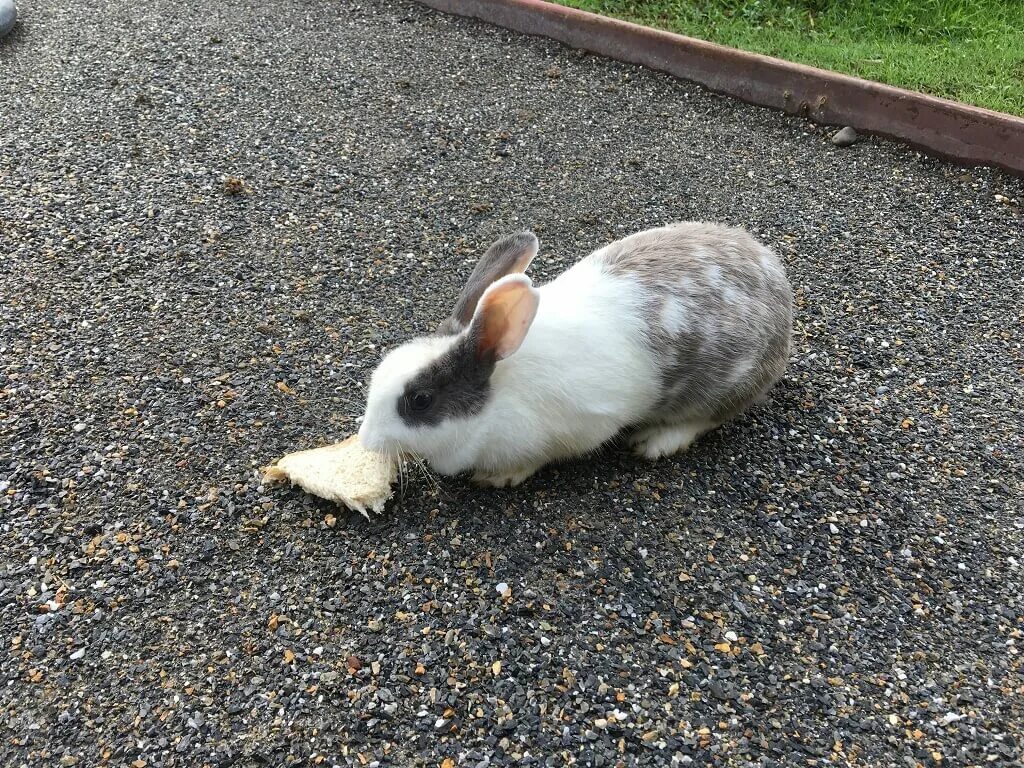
(666,333)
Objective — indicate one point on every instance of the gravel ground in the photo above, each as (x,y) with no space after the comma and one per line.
(210,226)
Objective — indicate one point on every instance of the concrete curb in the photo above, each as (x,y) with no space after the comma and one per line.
(959,132)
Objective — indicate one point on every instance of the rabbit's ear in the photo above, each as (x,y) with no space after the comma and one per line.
(503,316)
(510,255)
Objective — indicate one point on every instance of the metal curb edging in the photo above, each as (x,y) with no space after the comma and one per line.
(959,132)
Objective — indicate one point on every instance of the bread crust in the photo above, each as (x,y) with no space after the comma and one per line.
(345,473)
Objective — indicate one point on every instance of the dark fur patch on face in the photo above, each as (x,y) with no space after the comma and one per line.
(455,386)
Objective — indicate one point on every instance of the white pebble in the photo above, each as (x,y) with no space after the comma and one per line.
(80,653)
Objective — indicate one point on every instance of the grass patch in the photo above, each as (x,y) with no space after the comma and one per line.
(967,50)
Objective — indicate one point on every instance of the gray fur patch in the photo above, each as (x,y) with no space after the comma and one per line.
(719,310)
(458,382)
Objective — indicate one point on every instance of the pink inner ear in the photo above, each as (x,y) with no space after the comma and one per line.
(505,313)
(522,263)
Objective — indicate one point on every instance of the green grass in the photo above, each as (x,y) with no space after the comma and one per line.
(966,50)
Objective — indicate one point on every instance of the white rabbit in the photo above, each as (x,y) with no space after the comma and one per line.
(668,332)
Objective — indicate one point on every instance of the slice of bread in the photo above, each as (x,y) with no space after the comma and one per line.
(345,473)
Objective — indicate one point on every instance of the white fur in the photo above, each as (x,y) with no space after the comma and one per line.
(674,317)
(713,273)
(770,262)
(581,375)
(742,368)
(655,442)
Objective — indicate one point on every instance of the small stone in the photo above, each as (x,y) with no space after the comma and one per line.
(719,691)
(80,427)
(8,15)
(79,654)
(845,137)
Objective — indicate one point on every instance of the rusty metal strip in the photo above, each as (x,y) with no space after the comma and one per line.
(959,132)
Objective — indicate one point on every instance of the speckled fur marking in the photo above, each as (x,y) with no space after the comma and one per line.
(720,314)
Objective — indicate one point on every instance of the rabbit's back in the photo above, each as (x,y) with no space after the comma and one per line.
(718,310)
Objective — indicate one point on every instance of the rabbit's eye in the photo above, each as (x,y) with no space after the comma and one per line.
(421,400)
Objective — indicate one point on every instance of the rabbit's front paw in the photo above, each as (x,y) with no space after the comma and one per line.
(655,442)
(506,478)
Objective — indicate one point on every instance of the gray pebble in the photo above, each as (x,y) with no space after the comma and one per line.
(845,137)
(8,16)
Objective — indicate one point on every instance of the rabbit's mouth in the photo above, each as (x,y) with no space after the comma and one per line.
(389,451)
(394,452)
(411,465)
